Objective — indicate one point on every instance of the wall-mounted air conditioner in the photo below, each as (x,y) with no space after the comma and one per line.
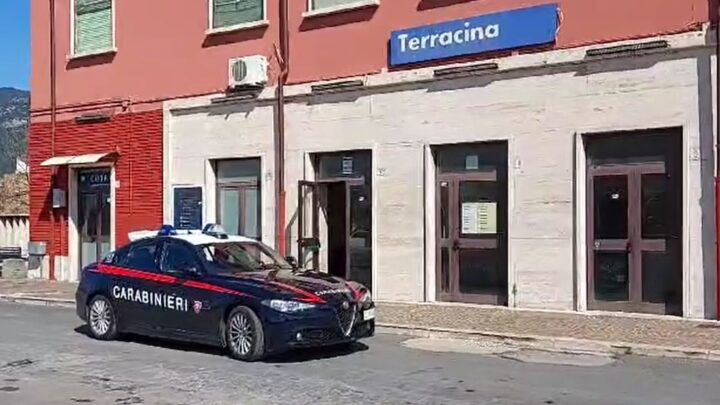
(248,72)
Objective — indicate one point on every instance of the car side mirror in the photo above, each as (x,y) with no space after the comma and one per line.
(292,260)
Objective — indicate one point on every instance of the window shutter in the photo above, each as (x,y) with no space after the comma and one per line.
(320,4)
(232,12)
(93,26)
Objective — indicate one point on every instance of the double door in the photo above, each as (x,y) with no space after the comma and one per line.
(472,242)
(342,206)
(634,252)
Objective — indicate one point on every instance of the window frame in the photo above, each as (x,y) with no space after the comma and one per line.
(241,186)
(113,46)
(262,22)
(181,243)
(141,243)
(342,8)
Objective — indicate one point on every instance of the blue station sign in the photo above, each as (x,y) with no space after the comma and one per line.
(486,33)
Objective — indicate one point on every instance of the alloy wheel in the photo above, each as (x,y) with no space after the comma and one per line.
(241,334)
(100,317)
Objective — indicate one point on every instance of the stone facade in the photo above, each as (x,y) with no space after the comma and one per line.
(541,104)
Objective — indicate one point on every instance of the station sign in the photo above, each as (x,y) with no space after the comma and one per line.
(506,30)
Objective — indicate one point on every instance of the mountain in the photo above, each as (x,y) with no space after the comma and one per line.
(14,112)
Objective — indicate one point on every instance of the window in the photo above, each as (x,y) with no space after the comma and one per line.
(178,257)
(117,257)
(93,30)
(324,6)
(234,257)
(142,256)
(238,196)
(231,13)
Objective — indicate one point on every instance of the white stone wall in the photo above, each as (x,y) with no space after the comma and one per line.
(542,113)
(194,138)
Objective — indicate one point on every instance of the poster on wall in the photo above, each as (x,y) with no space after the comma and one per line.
(479,218)
(187,208)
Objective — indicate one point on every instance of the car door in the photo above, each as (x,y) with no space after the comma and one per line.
(199,319)
(137,279)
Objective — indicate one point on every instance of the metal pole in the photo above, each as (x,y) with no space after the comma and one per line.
(717,164)
(53,119)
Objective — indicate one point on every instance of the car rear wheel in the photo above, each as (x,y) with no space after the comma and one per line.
(101,319)
(244,335)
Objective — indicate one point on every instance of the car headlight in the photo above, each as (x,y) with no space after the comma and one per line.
(287,306)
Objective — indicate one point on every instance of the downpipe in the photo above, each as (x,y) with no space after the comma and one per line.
(717,164)
(53,124)
(283,59)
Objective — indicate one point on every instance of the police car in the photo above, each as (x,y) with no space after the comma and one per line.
(225,290)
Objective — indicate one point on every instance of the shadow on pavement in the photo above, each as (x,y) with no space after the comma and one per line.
(295,356)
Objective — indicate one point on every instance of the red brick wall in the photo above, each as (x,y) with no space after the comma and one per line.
(137,137)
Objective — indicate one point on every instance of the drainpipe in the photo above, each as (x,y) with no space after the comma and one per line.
(280,129)
(53,118)
(717,156)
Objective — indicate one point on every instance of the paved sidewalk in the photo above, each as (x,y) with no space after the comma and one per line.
(655,336)
(37,289)
(638,334)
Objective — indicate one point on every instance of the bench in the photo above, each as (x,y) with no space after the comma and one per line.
(13,252)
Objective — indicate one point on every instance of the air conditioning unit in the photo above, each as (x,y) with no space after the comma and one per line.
(250,72)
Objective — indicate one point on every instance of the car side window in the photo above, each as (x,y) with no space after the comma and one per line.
(142,256)
(117,257)
(178,257)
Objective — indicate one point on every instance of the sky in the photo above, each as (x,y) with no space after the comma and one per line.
(15,43)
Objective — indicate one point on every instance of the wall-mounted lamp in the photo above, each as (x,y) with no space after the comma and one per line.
(338,86)
(627,50)
(92,118)
(463,71)
(237,94)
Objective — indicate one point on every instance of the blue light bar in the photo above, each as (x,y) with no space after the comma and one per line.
(167,230)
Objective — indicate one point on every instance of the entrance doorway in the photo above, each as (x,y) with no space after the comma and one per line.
(335,216)
(471,216)
(93,214)
(634,215)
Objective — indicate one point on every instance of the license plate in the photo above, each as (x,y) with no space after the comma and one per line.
(369,314)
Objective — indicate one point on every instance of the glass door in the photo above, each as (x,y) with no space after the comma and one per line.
(93,215)
(634,253)
(471,223)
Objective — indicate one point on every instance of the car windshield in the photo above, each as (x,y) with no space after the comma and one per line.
(237,257)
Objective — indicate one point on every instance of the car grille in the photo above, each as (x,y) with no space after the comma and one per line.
(346,318)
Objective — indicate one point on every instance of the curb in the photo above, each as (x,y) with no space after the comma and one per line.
(41,301)
(556,344)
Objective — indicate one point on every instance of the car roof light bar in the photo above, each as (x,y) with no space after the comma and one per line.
(167,230)
(215,230)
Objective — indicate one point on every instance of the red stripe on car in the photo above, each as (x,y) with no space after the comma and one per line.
(212,288)
(165,279)
(141,275)
(307,297)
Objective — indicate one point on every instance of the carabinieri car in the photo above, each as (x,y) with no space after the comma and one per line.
(219,289)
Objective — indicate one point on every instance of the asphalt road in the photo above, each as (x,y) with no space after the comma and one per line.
(46,359)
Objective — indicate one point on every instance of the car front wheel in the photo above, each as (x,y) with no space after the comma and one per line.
(244,335)
(101,319)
